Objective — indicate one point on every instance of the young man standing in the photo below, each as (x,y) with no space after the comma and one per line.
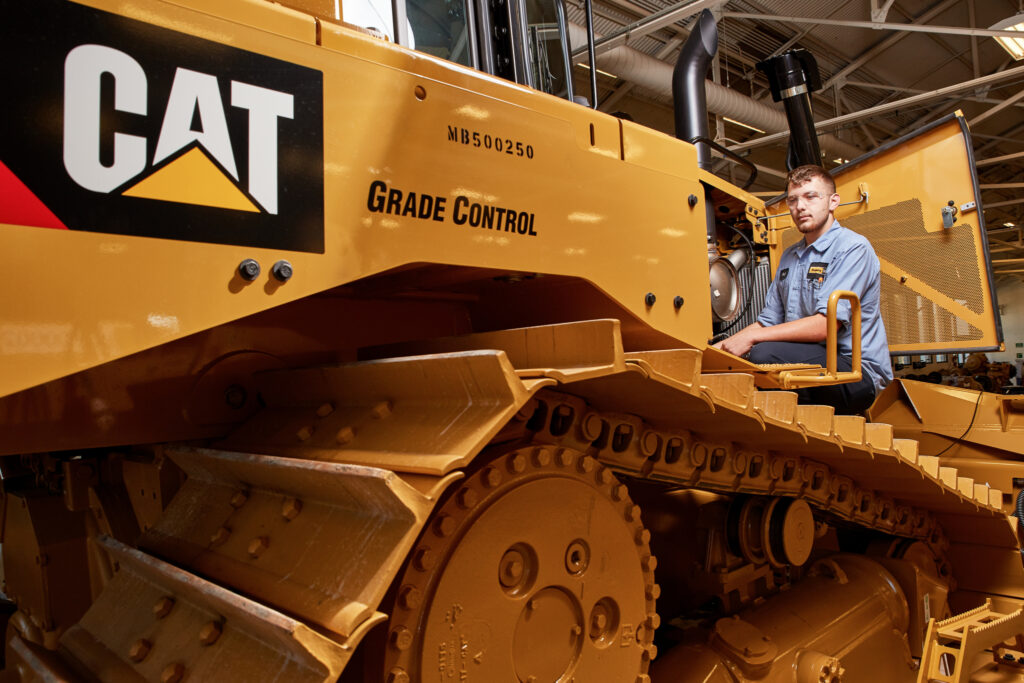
(792,327)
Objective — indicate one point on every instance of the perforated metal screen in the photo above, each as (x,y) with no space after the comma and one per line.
(942,282)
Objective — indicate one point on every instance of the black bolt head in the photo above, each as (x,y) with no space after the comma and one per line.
(692,200)
(678,302)
(249,269)
(649,298)
(282,270)
(235,396)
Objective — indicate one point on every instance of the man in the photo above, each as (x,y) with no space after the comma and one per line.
(792,327)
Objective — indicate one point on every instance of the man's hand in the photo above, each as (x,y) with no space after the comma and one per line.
(813,328)
(740,343)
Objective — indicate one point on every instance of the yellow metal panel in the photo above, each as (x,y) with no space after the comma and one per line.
(936,285)
(397,117)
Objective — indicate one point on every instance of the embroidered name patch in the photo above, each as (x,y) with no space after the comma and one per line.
(816,272)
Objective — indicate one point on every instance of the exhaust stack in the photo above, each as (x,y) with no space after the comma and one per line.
(792,77)
(691,114)
(688,97)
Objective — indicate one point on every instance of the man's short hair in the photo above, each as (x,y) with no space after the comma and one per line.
(804,174)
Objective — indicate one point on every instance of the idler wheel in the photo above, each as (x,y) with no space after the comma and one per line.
(539,570)
(789,532)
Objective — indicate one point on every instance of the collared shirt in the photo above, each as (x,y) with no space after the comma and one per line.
(807,275)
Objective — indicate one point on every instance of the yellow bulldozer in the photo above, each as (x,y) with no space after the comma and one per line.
(342,343)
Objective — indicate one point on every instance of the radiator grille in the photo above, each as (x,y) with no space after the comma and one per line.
(761,273)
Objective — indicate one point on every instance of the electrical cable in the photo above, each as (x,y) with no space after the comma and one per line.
(750,283)
(973,415)
(1020,515)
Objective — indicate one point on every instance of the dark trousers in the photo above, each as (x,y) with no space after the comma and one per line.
(848,399)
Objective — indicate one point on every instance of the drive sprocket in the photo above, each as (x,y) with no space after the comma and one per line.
(537,568)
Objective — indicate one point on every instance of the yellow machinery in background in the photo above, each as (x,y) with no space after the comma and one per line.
(327,358)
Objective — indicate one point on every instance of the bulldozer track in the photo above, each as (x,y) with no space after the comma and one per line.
(290,531)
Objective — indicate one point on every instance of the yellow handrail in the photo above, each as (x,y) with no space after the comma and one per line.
(831,375)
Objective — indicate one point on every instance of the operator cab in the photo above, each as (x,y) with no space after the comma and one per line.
(525,41)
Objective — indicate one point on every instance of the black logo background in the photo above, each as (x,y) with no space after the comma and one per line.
(37,38)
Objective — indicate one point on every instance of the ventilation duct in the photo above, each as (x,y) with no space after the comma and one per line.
(655,75)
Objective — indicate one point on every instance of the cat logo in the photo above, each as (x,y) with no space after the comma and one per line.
(184,157)
(161,134)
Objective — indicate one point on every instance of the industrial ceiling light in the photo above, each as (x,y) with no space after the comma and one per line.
(1015,46)
(604,73)
(745,125)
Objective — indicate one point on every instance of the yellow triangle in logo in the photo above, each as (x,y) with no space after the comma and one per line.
(192,179)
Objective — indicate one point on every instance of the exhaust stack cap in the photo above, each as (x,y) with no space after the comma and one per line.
(791,73)
(792,77)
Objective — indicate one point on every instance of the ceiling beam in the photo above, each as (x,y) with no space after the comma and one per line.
(1009,101)
(999,160)
(916,91)
(889,106)
(650,24)
(1008,202)
(881,26)
(1001,186)
(885,44)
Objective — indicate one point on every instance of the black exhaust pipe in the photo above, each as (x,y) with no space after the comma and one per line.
(792,77)
(688,96)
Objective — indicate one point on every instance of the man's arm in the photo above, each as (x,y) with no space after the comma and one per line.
(813,328)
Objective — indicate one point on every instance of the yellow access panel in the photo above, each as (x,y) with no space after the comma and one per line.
(919,207)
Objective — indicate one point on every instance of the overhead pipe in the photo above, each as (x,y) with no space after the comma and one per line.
(655,75)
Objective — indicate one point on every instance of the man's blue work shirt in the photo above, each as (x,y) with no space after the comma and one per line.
(839,259)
